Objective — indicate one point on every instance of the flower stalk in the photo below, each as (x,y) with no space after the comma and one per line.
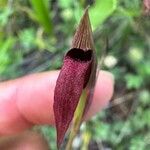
(78,115)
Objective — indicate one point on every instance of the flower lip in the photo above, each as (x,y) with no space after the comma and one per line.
(79,54)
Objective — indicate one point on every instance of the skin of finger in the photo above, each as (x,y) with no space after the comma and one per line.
(44,100)
(10,117)
(21,99)
(34,99)
(25,141)
(103,92)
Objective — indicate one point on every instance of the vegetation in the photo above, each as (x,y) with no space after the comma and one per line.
(35,34)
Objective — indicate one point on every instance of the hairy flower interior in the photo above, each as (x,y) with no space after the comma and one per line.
(79,54)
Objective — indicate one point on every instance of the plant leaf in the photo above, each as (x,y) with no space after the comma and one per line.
(101,10)
(42,14)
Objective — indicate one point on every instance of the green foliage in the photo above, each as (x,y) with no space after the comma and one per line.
(50,134)
(5,55)
(65,3)
(135,55)
(133,81)
(27,38)
(144,97)
(8,57)
(42,14)
(131,133)
(4,16)
(101,11)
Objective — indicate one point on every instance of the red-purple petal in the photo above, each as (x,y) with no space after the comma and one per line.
(72,79)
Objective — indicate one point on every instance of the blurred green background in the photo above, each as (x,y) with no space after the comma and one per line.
(34,36)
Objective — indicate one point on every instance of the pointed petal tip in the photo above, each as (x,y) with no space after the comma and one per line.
(86,11)
(83,37)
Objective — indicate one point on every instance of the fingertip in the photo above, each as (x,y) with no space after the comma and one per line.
(37,106)
(33,102)
(103,92)
(37,103)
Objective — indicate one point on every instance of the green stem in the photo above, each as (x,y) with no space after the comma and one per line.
(86,139)
(77,119)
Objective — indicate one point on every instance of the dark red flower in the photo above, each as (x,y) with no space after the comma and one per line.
(77,73)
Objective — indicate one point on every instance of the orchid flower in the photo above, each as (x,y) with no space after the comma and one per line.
(77,75)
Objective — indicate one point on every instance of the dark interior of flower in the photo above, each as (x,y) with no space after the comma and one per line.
(79,54)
